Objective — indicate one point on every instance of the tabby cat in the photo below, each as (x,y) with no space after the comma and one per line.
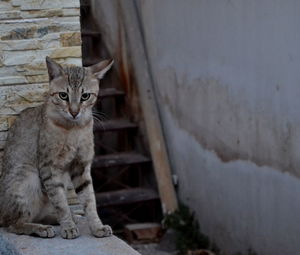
(46,146)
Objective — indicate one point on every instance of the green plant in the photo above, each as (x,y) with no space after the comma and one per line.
(187,229)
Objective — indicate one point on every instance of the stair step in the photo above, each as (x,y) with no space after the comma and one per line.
(90,33)
(125,196)
(114,125)
(90,61)
(85,3)
(119,159)
(110,92)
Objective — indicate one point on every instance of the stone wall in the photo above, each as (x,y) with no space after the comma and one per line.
(29,31)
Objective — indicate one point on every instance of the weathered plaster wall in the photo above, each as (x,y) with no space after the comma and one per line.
(29,31)
(226,76)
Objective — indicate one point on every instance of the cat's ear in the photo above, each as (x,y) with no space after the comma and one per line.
(54,69)
(101,68)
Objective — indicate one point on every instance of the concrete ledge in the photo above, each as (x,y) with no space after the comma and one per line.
(85,244)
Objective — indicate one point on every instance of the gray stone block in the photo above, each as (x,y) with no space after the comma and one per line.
(7,248)
(85,244)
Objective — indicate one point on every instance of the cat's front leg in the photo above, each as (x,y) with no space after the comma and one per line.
(52,180)
(81,178)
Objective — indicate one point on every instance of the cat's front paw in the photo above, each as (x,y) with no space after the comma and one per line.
(45,231)
(69,230)
(101,230)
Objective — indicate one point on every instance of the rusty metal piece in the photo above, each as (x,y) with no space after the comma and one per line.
(143,232)
(200,252)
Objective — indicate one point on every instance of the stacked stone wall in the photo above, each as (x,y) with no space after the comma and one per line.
(30,30)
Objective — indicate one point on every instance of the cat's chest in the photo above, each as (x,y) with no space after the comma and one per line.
(67,150)
(70,148)
(64,146)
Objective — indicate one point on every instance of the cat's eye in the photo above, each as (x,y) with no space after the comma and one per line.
(85,96)
(63,96)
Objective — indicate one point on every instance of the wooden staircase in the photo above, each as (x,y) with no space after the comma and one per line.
(121,168)
(123,172)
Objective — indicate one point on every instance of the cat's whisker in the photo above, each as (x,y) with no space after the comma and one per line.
(100,114)
(99,117)
(98,123)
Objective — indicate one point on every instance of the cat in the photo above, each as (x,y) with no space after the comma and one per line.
(47,145)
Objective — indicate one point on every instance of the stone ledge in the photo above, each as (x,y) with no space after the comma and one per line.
(45,4)
(51,40)
(85,244)
(16,98)
(17,14)
(37,28)
(12,58)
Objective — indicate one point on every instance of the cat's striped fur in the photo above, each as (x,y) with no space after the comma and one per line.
(46,146)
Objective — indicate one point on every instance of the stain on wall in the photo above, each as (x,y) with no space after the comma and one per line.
(223,124)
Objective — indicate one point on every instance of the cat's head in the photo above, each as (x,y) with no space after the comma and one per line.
(73,91)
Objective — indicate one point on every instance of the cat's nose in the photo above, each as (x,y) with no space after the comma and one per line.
(74,113)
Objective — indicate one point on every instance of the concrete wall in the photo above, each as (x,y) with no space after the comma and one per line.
(227,80)
(29,31)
